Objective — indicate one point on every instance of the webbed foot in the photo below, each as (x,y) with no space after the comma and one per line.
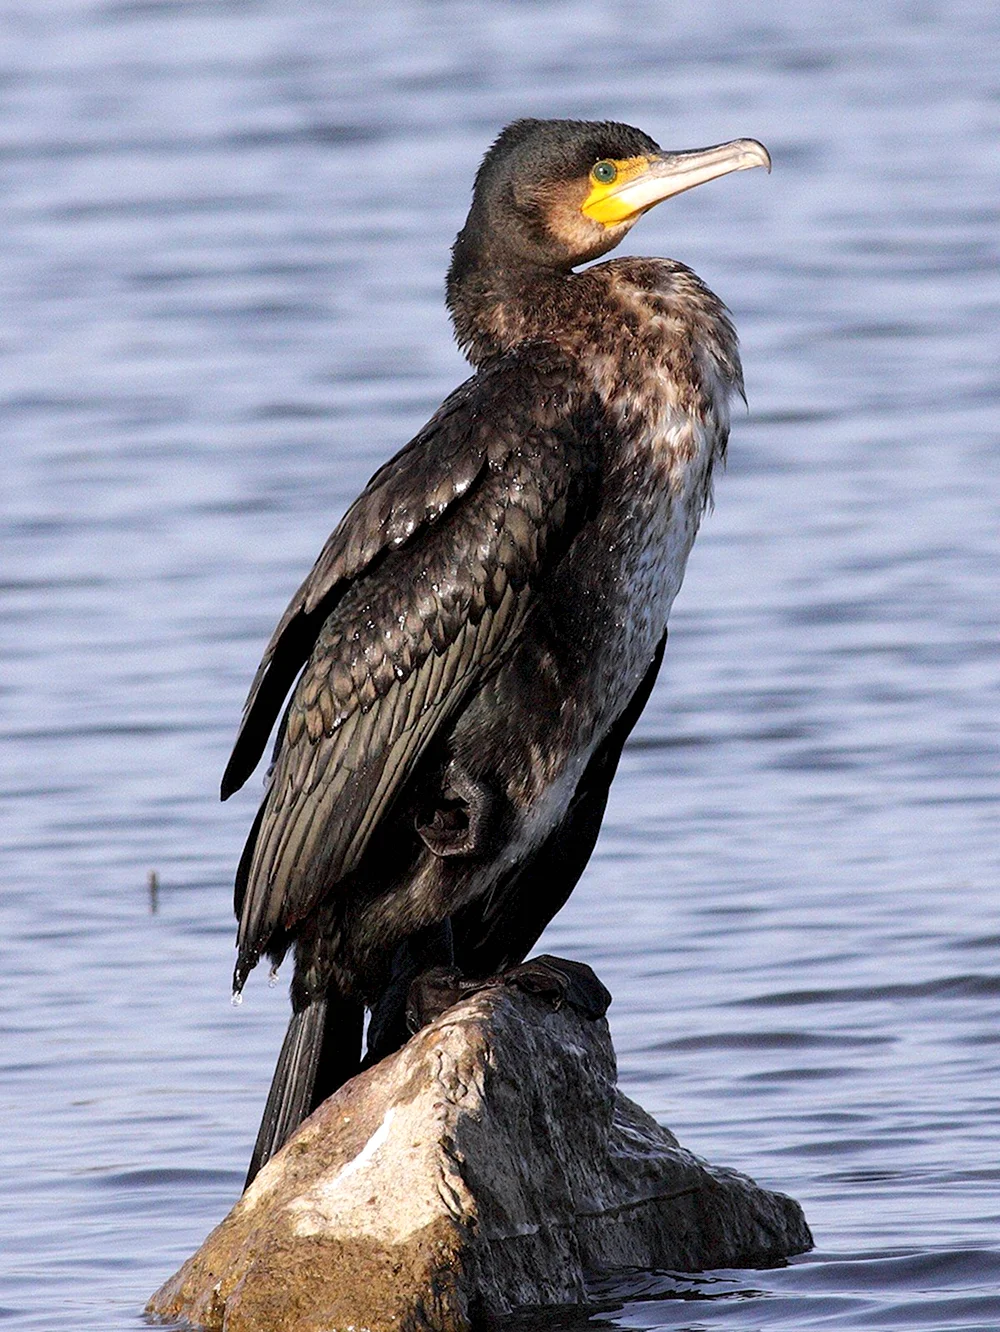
(433,992)
(556,980)
(559,980)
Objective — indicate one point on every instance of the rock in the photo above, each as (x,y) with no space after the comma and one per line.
(485,1167)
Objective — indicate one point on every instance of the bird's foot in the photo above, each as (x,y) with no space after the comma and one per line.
(555,980)
(559,980)
(433,992)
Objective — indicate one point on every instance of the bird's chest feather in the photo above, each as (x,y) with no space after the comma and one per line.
(655,495)
(668,401)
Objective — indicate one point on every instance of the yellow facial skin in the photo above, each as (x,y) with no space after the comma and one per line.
(641,182)
(605,203)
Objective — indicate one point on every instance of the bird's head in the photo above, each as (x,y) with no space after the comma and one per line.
(551,194)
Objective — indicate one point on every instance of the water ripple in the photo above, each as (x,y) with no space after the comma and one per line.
(227,227)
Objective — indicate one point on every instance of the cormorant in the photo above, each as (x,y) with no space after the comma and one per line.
(484,627)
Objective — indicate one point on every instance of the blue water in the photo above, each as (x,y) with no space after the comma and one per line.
(225,231)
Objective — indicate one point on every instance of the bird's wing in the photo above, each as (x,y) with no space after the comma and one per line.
(418,624)
(405,496)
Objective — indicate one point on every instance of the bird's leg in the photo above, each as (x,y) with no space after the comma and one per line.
(462,821)
(425,950)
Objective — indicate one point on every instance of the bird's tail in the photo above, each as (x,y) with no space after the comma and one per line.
(321,1050)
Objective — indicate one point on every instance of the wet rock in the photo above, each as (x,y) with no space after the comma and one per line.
(484,1168)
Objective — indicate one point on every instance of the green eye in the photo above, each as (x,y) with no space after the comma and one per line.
(604,172)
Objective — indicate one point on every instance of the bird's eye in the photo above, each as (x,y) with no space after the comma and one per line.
(604,172)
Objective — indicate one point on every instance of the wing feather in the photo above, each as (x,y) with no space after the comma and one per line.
(410,492)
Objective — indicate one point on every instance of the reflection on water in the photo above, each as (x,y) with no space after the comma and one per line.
(222,283)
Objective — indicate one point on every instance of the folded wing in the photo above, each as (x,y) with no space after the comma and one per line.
(415,600)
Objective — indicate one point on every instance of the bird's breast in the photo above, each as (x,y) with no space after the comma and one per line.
(585,654)
(656,493)
(665,370)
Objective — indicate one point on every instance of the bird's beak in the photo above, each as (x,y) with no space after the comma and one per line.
(645,181)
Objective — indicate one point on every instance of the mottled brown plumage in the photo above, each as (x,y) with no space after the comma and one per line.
(484,626)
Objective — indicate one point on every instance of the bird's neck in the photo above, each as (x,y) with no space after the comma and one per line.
(496,306)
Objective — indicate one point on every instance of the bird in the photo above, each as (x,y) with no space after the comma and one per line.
(455,679)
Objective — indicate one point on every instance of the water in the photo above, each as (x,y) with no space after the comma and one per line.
(226,227)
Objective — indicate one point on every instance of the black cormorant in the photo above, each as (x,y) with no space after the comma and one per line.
(482,630)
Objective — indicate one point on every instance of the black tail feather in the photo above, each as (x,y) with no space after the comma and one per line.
(290,1097)
(321,1050)
(340,1057)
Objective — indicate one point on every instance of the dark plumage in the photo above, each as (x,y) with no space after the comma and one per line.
(483,628)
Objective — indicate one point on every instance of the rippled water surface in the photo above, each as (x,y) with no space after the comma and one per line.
(226,227)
